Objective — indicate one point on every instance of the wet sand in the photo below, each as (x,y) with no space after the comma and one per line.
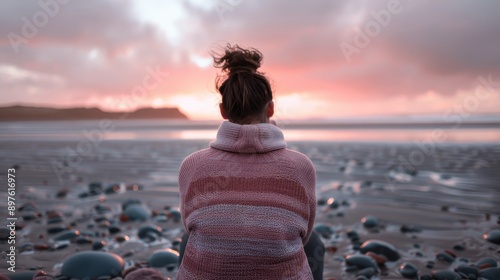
(443,199)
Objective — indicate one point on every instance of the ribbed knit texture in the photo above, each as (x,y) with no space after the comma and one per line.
(249,205)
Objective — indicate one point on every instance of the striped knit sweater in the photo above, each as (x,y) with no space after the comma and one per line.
(249,205)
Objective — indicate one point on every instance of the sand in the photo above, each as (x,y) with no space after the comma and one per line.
(450,194)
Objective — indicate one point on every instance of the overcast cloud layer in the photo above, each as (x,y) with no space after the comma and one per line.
(420,57)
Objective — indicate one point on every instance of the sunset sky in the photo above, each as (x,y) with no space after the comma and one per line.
(325,58)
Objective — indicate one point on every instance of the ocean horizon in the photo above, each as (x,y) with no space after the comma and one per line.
(474,129)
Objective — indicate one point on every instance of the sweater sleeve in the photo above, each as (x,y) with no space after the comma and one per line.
(309,181)
(185,174)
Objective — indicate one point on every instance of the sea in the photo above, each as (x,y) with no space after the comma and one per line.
(430,185)
(477,129)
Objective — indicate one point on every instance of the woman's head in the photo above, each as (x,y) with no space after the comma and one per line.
(246,93)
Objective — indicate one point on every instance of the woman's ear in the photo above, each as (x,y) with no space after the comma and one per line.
(270,109)
(222,111)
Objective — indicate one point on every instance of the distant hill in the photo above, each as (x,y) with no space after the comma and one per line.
(26,113)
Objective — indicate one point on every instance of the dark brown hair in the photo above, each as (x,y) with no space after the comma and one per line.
(245,91)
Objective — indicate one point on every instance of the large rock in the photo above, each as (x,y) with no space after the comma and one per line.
(361,261)
(381,248)
(92,265)
(166,258)
(493,236)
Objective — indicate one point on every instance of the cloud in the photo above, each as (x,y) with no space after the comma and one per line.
(94,47)
(99,49)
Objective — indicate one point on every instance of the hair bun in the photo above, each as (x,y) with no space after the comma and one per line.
(236,59)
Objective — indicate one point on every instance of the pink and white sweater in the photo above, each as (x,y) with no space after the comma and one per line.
(249,205)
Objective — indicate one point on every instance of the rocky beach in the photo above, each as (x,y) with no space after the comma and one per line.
(385,210)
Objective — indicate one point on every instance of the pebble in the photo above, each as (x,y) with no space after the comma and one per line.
(62,193)
(444,256)
(123,218)
(493,236)
(130,202)
(149,232)
(26,247)
(366,184)
(408,270)
(20,225)
(54,219)
(361,261)
(175,215)
(333,203)
(28,275)
(60,245)
(445,275)
(31,216)
(101,209)
(380,247)
(486,263)
(83,195)
(92,265)
(41,275)
(425,277)
(145,273)
(134,187)
(410,229)
(104,225)
(41,247)
(167,258)
(83,240)
(161,218)
(95,188)
(430,264)
(87,233)
(121,238)
(4,234)
(176,241)
(445,177)
(114,229)
(30,206)
(466,269)
(324,230)
(67,235)
(137,212)
(57,229)
(450,253)
(367,272)
(471,277)
(100,219)
(112,189)
(98,245)
(369,222)
(321,202)
(330,249)
(492,273)
(379,259)
(353,235)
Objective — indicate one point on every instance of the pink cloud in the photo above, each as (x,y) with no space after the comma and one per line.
(86,53)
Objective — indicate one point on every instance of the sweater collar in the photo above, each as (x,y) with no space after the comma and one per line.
(248,138)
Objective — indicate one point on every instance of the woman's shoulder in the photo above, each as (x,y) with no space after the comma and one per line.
(297,157)
(196,157)
(299,166)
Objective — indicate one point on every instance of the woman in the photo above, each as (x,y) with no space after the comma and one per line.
(248,204)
